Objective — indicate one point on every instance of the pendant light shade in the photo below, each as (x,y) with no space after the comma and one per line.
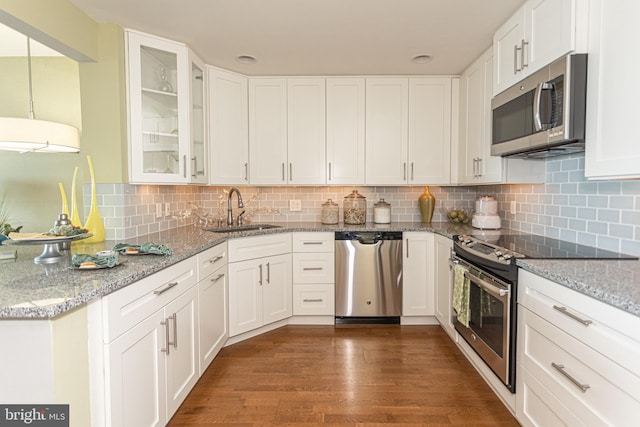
(41,136)
(31,135)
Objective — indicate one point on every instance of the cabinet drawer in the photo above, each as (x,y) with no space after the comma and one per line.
(597,390)
(536,406)
(259,246)
(313,268)
(211,260)
(128,306)
(314,242)
(313,300)
(608,330)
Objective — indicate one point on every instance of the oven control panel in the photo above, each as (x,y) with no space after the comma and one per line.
(486,250)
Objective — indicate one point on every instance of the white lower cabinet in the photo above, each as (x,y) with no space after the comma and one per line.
(417,270)
(260,285)
(313,274)
(212,302)
(151,346)
(136,376)
(443,283)
(578,358)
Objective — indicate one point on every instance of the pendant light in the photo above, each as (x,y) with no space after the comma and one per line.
(30,135)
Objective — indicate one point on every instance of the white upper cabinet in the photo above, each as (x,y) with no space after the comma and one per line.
(159,74)
(345,131)
(267,131)
(408,130)
(611,138)
(228,128)
(199,142)
(306,153)
(387,119)
(429,153)
(540,32)
(507,52)
(475,163)
(287,131)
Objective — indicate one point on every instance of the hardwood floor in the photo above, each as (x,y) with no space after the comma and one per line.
(344,375)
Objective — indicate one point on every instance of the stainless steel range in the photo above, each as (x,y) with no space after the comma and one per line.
(489,321)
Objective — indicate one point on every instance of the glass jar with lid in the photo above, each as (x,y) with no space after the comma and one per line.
(329,214)
(355,208)
(382,212)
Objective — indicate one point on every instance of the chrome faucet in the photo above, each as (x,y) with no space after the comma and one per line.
(230,209)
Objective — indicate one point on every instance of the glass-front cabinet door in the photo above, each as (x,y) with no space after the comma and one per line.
(198,165)
(158,95)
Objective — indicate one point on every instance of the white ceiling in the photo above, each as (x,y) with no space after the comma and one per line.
(318,37)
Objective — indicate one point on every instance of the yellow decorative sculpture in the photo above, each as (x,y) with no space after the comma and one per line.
(94,222)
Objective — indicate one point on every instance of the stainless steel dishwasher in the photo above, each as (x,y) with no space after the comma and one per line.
(368,276)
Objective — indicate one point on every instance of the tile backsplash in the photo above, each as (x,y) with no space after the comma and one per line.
(605,214)
(130,210)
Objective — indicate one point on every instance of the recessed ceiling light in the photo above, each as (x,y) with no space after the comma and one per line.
(421,59)
(246,59)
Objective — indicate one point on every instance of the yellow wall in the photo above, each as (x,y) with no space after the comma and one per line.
(104,130)
(30,181)
(55,23)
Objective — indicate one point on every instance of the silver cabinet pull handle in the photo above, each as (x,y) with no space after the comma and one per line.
(268,273)
(260,281)
(312,269)
(524,55)
(479,167)
(165,323)
(404,176)
(329,171)
(194,162)
(184,163)
(282,171)
(216,259)
(174,317)
(560,368)
(246,171)
(312,300)
(311,243)
(218,277)
(165,289)
(407,247)
(290,171)
(411,171)
(564,311)
(516,70)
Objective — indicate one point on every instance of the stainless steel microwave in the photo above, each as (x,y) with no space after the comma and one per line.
(543,115)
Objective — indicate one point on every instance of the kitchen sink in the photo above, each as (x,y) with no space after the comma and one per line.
(237,228)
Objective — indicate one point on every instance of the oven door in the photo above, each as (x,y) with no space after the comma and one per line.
(489,331)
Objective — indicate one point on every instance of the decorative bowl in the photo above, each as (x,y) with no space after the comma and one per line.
(456,215)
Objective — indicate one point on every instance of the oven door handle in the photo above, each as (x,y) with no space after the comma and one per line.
(496,291)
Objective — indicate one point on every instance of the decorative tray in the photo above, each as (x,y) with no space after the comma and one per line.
(52,244)
(42,239)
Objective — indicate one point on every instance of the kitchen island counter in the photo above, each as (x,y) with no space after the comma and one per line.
(33,291)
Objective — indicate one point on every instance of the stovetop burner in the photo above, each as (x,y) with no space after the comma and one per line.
(540,247)
(535,247)
(497,253)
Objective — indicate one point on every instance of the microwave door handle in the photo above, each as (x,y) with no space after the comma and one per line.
(537,121)
(537,99)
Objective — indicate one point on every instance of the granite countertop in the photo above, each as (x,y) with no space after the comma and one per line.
(33,291)
(615,282)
